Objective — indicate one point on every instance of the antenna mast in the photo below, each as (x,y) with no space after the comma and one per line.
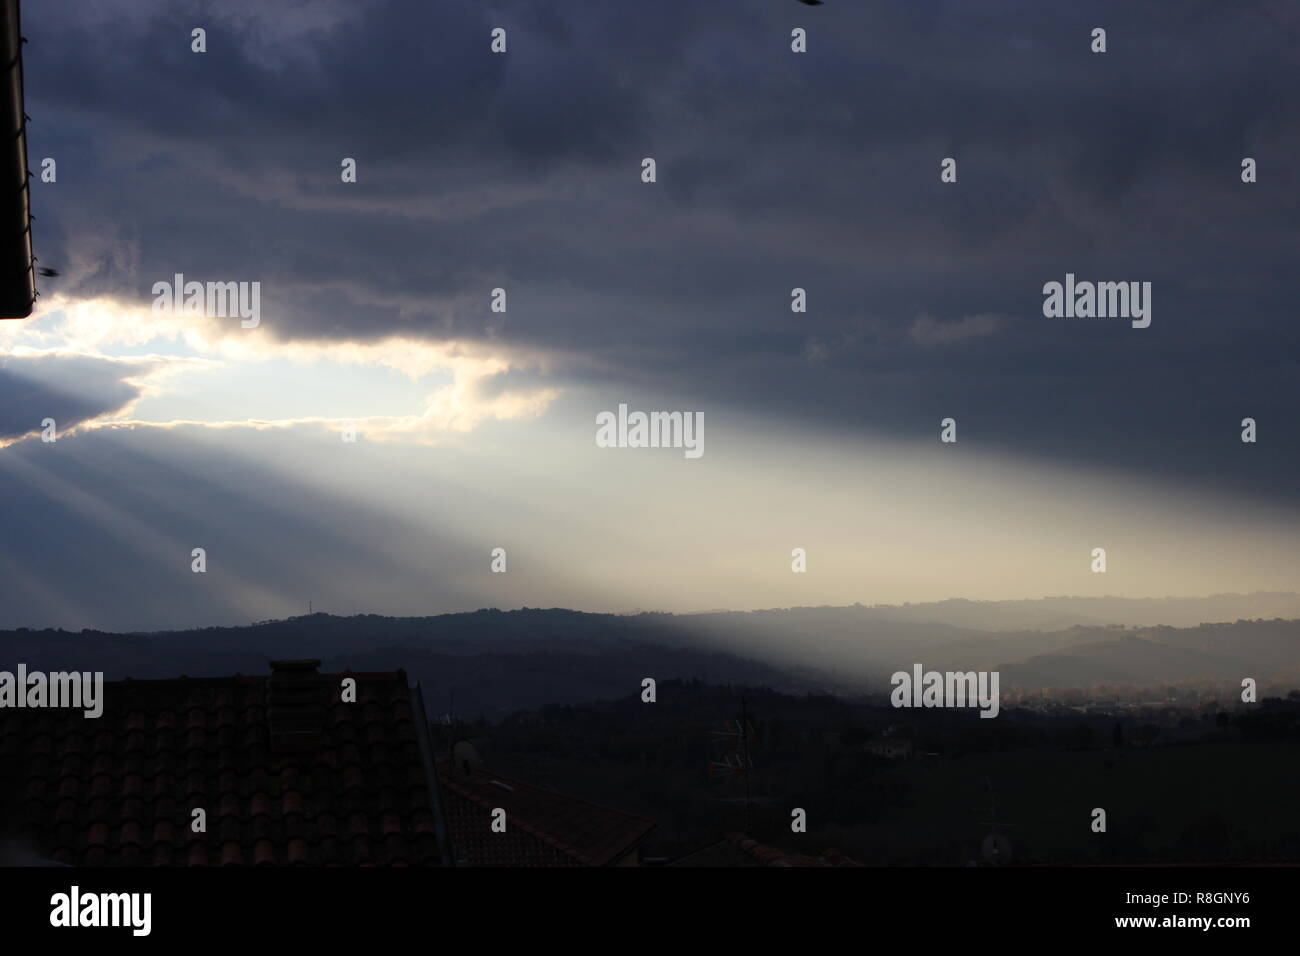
(736,760)
(996,848)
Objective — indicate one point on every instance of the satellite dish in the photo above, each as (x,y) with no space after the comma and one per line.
(464,755)
(996,849)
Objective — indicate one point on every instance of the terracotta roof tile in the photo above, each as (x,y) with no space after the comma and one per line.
(121,789)
(543,827)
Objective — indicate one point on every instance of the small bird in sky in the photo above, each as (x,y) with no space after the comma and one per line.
(47,272)
(811,3)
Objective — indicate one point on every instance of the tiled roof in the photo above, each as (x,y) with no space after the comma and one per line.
(286,771)
(543,828)
(740,850)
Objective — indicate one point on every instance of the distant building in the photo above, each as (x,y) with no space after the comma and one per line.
(893,748)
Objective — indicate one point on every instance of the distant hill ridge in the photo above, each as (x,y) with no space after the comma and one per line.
(495,662)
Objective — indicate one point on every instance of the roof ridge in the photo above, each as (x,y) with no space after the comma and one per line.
(531,829)
(514,781)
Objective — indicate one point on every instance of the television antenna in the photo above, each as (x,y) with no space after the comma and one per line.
(736,762)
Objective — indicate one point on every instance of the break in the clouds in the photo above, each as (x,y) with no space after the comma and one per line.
(818,171)
(520,171)
(74,390)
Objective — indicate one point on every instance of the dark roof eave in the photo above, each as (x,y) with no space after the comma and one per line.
(425,743)
(17,267)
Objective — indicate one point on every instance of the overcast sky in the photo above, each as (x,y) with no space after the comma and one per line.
(775,170)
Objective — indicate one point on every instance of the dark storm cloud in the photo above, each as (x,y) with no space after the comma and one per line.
(71,389)
(776,170)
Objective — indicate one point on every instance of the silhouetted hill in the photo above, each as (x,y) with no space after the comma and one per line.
(1267,649)
(496,662)
(1058,613)
(493,662)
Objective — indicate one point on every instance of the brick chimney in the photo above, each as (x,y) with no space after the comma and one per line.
(295,706)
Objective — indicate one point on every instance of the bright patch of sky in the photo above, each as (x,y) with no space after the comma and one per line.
(279,389)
